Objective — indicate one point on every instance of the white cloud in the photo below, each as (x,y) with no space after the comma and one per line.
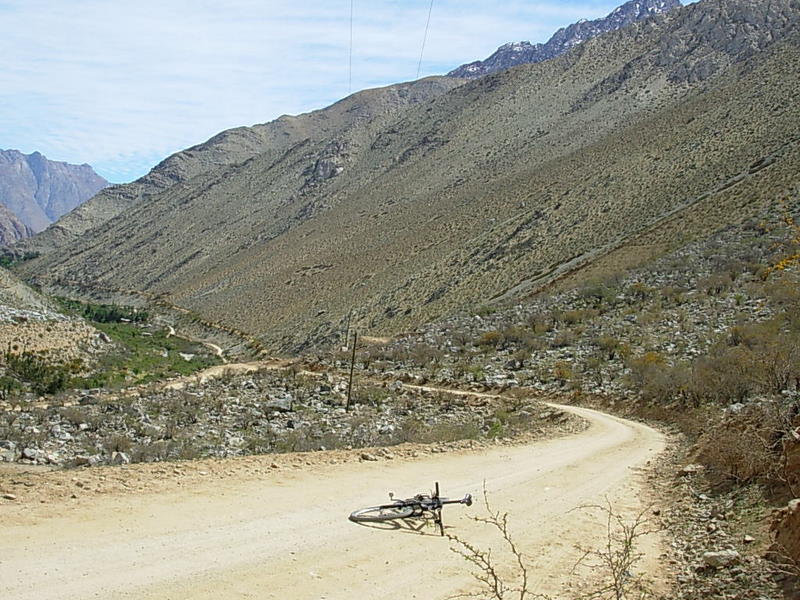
(122,84)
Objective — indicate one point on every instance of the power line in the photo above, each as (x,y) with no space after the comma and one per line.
(350,76)
(424,39)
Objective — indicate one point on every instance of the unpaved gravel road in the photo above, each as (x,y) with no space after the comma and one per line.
(286,535)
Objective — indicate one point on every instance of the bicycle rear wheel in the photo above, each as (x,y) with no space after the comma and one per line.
(385,512)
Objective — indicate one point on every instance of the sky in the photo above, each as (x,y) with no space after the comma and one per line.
(122,84)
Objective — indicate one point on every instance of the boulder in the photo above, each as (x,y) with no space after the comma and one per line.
(786,530)
(120,458)
(722,558)
(33,454)
(279,404)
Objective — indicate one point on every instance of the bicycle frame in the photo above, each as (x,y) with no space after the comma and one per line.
(410,508)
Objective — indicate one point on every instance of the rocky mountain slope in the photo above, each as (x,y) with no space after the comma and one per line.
(39,191)
(517,53)
(623,147)
(210,160)
(11,228)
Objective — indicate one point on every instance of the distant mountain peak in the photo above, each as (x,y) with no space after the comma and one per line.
(39,191)
(517,53)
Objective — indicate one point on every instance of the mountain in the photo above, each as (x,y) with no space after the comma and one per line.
(39,191)
(211,159)
(483,193)
(12,229)
(517,53)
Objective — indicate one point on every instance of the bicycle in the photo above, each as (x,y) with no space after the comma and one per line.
(410,508)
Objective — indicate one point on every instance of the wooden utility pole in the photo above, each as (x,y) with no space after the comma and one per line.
(352,366)
(347,327)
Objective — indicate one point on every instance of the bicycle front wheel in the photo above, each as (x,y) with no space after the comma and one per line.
(386,512)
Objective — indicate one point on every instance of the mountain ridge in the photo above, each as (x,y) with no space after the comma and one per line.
(634,140)
(213,157)
(516,53)
(39,191)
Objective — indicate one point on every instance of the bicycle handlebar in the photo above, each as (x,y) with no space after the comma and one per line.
(465,500)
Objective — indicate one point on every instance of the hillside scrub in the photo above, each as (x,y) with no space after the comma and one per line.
(707,337)
(265,412)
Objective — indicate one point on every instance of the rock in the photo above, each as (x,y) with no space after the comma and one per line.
(9,497)
(785,525)
(280,404)
(120,458)
(33,454)
(88,399)
(692,469)
(722,558)
(748,539)
(366,456)
(103,337)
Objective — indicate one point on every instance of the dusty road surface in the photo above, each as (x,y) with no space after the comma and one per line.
(286,534)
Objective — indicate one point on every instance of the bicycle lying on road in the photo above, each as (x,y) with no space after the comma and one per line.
(411,508)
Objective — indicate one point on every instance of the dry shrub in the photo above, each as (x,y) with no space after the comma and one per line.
(715,285)
(509,337)
(608,344)
(752,359)
(642,368)
(564,339)
(490,339)
(747,444)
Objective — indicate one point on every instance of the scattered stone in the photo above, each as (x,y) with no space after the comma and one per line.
(33,454)
(692,469)
(280,404)
(722,558)
(366,456)
(120,458)
(9,497)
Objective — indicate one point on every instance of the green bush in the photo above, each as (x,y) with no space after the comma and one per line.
(35,372)
(105,313)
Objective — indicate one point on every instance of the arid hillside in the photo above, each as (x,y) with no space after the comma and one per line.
(209,160)
(634,142)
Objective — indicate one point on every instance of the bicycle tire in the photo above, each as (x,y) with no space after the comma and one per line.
(385,512)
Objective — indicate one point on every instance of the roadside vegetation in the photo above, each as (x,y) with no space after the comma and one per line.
(704,340)
(137,351)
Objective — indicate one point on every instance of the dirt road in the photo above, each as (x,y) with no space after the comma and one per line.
(286,535)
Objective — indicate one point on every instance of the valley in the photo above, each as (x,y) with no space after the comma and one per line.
(568,276)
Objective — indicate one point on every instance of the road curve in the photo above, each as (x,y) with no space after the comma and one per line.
(286,535)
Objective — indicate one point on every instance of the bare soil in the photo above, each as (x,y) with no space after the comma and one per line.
(277,526)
